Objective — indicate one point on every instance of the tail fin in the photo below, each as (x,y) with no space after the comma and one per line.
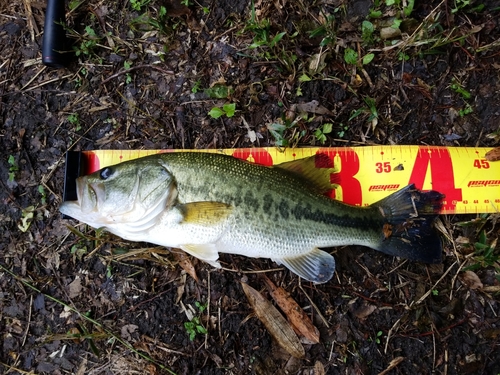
(408,225)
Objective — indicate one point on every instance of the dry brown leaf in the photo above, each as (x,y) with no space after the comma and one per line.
(274,322)
(297,317)
(75,287)
(493,155)
(319,369)
(185,263)
(470,279)
(491,289)
(314,107)
(364,310)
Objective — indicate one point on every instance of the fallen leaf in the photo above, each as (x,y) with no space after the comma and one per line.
(471,279)
(296,316)
(185,263)
(493,155)
(274,322)
(181,287)
(75,287)
(364,311)
(314,107)
(127,330)
(319,369)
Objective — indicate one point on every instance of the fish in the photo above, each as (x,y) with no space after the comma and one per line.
(211,203)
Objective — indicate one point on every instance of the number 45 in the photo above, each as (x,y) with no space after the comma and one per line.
(481,163)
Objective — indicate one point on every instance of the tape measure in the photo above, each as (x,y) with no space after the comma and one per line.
(366,174)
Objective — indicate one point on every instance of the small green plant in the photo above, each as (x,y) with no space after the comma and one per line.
(13,168)
(186,2)
(467,110)
(74,4)
(196,87)
(466,95)
(435,292)
(88,42)
(403,56)
(370,108)
(145,22)
(485,255)
(75,120)
(326,31)
(127,65)
(262,34)
(351,57)
(139,4)
(227,109)
(322,131)
(27,215)
(377,337)
(459,4)
(194,326)
(43,199)
(286,132)
(78,250)
(367,30)
(218,91)
(459,89)
(342,131)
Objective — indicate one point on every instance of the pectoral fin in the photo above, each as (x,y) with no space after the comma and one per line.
(317,266)
(205,213)
(206,252)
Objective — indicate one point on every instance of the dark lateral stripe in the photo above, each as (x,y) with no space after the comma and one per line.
(305,212)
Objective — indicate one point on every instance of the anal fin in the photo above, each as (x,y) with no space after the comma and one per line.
(317,266)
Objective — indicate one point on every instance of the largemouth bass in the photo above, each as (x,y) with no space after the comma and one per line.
(208,204)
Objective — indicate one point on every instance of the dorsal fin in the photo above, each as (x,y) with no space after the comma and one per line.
(317,169)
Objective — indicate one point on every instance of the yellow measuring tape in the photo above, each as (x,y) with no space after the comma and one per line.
(367,174)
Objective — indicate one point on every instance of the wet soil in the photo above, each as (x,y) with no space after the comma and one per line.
(78,305)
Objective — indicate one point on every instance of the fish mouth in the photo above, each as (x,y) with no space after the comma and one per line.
(90,195)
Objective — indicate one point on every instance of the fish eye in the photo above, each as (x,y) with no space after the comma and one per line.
(106,173)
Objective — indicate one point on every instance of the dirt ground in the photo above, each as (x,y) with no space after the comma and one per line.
(142,79)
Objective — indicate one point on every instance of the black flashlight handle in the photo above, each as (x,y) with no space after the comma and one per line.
(54,36)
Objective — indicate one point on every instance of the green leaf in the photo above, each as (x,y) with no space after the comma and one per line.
(229,109)
(350,56)
(408,9)
(218,91)
(367,30)
(304,78)
(368,58)
(327,128)
(396,23)
(276,39)
(355,114)
(320,136)
(216,112)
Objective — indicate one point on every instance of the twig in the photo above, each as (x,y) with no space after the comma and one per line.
(125,71)
(29,322)
(314,306)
